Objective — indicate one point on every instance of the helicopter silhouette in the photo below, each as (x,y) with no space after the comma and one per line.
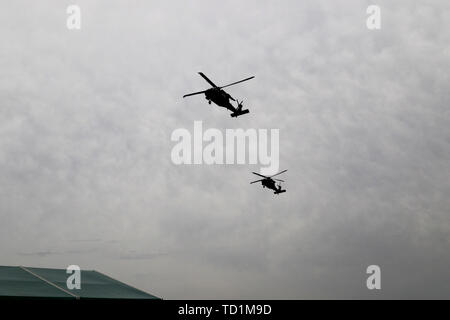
(269,182)
(221,98)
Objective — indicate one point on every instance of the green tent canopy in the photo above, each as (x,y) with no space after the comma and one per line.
(25,282)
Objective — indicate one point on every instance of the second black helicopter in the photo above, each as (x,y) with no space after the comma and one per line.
(269,182)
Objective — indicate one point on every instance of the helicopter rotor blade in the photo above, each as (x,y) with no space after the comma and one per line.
(256,181)
(232,84)
(193,94)
(279,180)
(207,80)
(278,173)
(260,175)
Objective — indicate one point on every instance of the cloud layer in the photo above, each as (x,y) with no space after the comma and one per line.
(86,118)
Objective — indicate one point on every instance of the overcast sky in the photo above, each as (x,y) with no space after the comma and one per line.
(85,124)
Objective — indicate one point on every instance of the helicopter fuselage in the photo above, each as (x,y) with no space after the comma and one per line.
(270,184)
(219,97)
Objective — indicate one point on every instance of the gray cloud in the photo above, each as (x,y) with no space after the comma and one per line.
(86,119)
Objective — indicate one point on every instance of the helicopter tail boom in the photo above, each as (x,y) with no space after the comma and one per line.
(238,113)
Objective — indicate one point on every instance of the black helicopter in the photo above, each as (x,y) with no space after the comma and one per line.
(269,182)
(222,98)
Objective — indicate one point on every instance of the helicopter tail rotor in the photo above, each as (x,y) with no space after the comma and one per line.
(239,111)
(240,105)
